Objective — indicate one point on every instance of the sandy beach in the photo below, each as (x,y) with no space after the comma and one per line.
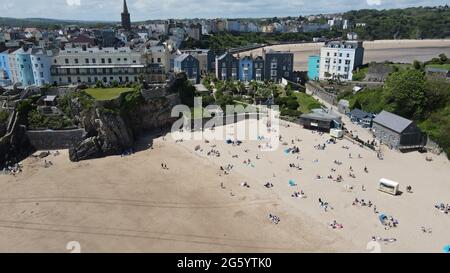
(401,51)
(132,204)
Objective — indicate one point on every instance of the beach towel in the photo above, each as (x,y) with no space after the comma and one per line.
(292,183)
(446,249)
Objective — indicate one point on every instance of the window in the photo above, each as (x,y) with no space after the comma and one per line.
(159,60)
(86,60)
(93,61)
(109,60)
(66,61)
(103,61)
(76,61)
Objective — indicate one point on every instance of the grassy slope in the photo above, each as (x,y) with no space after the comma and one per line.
(106,93)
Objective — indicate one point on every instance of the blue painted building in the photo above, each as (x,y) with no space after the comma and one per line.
(4,64)
(24,66)
(246,69)
(313,67)
(188,64)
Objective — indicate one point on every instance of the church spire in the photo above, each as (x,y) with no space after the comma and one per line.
(126,22)
(125,8)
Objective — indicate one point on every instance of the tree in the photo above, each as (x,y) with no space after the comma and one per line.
(417,65)
(406,91)
(443,58)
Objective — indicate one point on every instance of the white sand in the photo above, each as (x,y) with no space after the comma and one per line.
(130,204)
(402,51)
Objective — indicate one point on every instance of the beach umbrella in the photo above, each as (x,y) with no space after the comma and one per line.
(446,249)
(381,218)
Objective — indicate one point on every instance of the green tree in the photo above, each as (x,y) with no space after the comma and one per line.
(406,91)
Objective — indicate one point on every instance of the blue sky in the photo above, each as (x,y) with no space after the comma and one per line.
(109,10)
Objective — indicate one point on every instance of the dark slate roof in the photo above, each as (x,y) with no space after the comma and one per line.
(182,57)
(392,121)
(360,114)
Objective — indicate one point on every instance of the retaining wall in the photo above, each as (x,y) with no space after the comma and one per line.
(55,139)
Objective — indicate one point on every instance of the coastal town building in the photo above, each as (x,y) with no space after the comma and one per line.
(205,58)
(246,69)
(258,68)
(278,65)
(227,67)
(338,59)
(313,67)
(189,65)
(89,65)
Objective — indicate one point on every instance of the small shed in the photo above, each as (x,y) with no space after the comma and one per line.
(320,120)
(50,100)
(361,117)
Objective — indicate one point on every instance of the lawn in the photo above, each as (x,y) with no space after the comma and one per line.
(441,66)
(307,103)
(106,93)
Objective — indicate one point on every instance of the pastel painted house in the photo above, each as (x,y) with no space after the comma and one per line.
(313,67)
(246,69)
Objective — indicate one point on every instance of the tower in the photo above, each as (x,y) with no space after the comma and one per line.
(126,22)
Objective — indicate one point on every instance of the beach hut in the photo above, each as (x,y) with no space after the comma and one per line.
(388,186)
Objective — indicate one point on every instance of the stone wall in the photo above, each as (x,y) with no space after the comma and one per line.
(54,140)
(199,124)
(312,89)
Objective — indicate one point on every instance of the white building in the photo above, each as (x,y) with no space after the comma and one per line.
(89,65)
(338,59)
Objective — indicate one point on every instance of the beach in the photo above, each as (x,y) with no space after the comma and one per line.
(398,51)
(205,203)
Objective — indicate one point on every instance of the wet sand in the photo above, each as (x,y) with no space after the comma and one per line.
(401,51)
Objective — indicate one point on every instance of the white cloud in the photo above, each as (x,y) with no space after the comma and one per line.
(373,2)
(71,3)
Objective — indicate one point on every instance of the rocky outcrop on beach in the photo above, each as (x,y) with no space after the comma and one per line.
(113,126)
(14,144)
(107,134)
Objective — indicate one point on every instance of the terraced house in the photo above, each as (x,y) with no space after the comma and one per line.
(89,65)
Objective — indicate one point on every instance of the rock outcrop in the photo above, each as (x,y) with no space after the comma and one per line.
(14,145)
(112,126)
(107,135)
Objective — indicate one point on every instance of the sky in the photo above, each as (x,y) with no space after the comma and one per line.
(109,10)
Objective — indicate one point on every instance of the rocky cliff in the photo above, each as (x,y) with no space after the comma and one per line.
(112,126)
(14,145)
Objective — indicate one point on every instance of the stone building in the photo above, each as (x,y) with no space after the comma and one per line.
(397,132)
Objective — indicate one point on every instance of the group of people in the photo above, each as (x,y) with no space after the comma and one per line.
(274,219)
(336,225)
(324,205)
(12,169)
(445,208)
(300,194)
